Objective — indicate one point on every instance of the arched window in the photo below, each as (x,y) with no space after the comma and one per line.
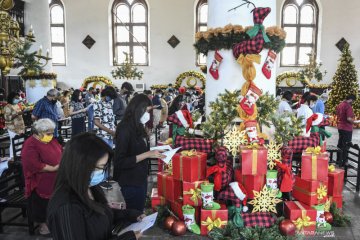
(201,25)
(57,31)
(130,31)
(300,19)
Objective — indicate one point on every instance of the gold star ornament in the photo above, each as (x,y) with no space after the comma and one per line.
(273,153)
(265,200)
(233,139)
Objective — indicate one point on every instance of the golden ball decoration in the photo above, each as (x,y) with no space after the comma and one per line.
(328,217)
(169,221)
(287,227)
(178,228)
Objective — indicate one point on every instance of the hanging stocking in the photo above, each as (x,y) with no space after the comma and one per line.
(214,69)
(207,195)
(189,219)
(269,64)
(247,102)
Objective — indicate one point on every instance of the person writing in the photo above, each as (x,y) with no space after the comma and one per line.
(78,209)
(132,152)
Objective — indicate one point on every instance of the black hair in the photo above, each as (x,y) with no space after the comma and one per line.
(175,104)
(127,86)
(78,161)
(133,113)
(11,97)
(75,95)
(65,92)
(279,92)
(309,98)
(351,97)
(287,95)
(158,91)
(91,88)
(305,95)
(109,92)
(147,92)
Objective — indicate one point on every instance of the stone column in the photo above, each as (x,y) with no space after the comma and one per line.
(230,71)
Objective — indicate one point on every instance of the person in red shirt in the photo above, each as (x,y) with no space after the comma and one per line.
(345,118)
(40,158)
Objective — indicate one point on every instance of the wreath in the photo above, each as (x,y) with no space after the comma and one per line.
(96,80)
(291,79)
(192,78)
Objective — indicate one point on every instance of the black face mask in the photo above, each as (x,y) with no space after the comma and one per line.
(53,101)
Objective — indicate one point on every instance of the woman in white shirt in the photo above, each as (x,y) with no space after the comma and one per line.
(305,111)
(284,106)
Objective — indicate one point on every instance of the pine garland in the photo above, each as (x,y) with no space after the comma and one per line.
(340,219)
(266,105)
(27,60)
(287,126)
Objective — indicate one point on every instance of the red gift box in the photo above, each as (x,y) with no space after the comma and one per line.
(156,200)
(300,213)
(213,218)
(314,166)
(336,199)
(253,160)
(176,207)
(250,182)
(336,182)
(192,193)
(189,166)
(169,187)
(310,192)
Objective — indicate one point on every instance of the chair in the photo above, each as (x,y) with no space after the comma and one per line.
(12,196)
(65,132)
(333,149)
(17,144)
(352,159)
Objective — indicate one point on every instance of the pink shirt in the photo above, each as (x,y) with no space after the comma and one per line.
(34,156)
(343,112)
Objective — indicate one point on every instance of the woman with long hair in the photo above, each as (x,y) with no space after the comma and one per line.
(78,208)
(132,152)
(77,113)
(176,104)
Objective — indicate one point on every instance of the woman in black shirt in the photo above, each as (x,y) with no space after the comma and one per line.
(132,152)
(78,209)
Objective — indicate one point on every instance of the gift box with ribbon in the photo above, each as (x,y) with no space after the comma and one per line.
(213,218)
(250,182)
(253,160)
(310,192)
(335,181)
(169,187)
(157,200)
(189,166)
(336,199)
(192,193)
(314,164)
(302,215)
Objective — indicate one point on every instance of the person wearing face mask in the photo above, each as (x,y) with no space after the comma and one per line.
(77,113)
(46,108)
(305,111)
(132,152)
(156,102)
(40,159)
(14,121)
(120,102)
(284,105)
(78,208)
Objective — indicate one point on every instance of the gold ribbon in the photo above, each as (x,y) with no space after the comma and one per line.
(304,191)
(313,150)
(331,168)
(303,221)
(213,223)
(195,194)
(253,146)
(321,192)
(247,64)
(189,153)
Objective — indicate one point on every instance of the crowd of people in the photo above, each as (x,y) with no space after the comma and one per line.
(63,182)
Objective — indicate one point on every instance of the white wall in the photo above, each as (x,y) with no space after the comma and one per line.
(338,19)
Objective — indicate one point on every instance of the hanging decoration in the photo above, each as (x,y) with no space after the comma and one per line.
(291,78)
(265,200)
(191,79)
(274,153)
(233,139)
(32,83)
(127,70)
(44,83)
(96,80)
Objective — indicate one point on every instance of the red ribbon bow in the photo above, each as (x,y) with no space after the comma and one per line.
(218,175)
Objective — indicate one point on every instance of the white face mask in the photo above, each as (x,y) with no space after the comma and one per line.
(145,118)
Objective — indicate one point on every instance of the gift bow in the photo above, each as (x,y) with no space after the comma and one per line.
(254,31)
(321,192)
(313,150)
(300,223)
(253,146)
(331,168)
(195,194)
(211,224)
(189,153)
(248,59)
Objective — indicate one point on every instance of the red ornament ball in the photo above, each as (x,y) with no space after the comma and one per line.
(169,221)
(182,90)
(287,227)
(328,217)
(178,228)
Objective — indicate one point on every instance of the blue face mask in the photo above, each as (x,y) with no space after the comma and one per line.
(16,101)
(97,177)
(107,98)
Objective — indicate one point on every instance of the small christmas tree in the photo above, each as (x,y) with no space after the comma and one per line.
(345,82)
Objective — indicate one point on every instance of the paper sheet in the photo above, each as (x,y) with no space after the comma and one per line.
(357,121)
(164,147)
(142,226)
(169,154)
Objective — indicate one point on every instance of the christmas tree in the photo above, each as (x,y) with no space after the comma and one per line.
(345,82)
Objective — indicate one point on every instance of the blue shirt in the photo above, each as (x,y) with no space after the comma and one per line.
(44,108)
(319,107)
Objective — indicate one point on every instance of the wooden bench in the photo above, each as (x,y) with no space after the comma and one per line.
(352,159)
(65,132)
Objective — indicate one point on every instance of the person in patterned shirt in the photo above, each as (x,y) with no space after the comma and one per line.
(104,117)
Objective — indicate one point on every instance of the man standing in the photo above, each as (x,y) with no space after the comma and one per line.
(156,101)
(46,108)
(345,118)
(89,100)
(120,102)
